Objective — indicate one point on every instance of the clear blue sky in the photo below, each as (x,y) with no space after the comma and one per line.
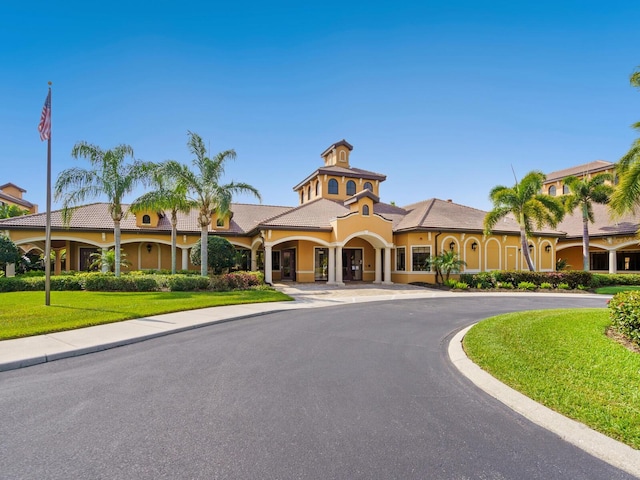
(442,97)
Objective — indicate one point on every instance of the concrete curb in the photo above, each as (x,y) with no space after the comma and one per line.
(595,443)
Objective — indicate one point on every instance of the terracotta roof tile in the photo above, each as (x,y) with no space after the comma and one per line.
(604,224)
(591,167)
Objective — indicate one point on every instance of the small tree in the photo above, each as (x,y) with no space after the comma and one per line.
(107,259)
(220,254)
(9,252)
(8,211)
(446,263)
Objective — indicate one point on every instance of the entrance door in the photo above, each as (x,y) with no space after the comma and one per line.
(351,264)
(289,265)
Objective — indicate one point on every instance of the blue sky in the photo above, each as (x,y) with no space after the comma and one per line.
(442,97)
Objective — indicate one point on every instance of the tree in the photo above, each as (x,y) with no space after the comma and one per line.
(9,252)
(110,176)
(169,195)
(446,263)
(626,197)
(584,192)
(204,187)
(107,259)
(8,211)
(221,254)
(529,207)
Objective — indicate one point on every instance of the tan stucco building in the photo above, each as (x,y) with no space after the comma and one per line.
(339,232)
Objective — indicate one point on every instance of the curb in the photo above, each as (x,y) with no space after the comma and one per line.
(613,452)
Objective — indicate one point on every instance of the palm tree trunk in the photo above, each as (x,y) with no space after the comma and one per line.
(525,248)
(174,235)
(204,252)
(116,237)
(585,240)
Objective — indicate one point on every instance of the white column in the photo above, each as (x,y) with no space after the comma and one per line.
(332,266)
(339,266)
(254,259)
(185,258)
(378,266)
(387,266)
(268,276)
(105,267)
(613,261)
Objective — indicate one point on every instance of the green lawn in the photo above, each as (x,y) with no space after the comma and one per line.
(612,290)
(564,360)
(23,313)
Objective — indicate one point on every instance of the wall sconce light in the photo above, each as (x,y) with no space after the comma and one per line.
(452,245)
(474,245)
(530,248)
(148,248)
(547,248)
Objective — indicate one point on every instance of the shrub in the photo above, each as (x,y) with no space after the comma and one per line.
(563,286)
(187,283)
(461,286)
(221,253)
(546,286)
(625,314)
(235,281)
(527,286)
(451,283)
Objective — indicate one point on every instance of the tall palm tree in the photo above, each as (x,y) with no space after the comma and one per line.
(204,187)
(626,197)
(584,192)
(168,195)
(110,176)
(525,202)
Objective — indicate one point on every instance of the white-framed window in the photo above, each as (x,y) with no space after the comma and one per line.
(401,259)
(421,259)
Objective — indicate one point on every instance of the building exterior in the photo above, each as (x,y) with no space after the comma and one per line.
(339,232)
(11,194)
(613,242)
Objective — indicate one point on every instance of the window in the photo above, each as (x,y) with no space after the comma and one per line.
(219,222)
(275,260)
(146,219)
(421,259)
(343,156)
(565,190)
(333,186)
(400,259)
(365,210)
(351,187)
(599,261)
(317,188)
(368,186)
(552,190)
(301,196)
(321,264)
(309,192)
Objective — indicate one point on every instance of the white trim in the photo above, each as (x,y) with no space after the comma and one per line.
(411,261)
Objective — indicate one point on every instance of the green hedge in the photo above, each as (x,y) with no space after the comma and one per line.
(187,283)
(625,314)
(511,279)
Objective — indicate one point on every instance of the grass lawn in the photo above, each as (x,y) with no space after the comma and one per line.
(564,360)
(612,290)
(23,313)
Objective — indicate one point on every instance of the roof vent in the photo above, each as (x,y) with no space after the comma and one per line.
(449,200)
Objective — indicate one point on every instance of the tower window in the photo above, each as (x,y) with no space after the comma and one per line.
(365,210)
(333,187)
(552,190)
(351,187)
(368,186)
(146,219)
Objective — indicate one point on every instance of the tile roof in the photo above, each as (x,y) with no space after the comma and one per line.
(316,214)
(343,171)
(16,200)
(337,144)
(604,224)
(591,167)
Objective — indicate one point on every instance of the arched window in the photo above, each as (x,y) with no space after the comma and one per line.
(351,187)
(343,156)
(365,210)
(309,192)
(301,196)
(565,190)
(552,190)
(317,188)
(146,219)
(333,186)
(368,186)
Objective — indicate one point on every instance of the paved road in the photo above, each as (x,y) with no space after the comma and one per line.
(348,392)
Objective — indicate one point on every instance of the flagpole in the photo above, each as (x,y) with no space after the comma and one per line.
(47,244)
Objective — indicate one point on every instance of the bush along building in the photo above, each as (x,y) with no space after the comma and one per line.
(340,231)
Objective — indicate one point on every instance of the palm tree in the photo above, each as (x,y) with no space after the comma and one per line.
(447,262)
(204,188)
(584,193)
(626,197)
(169,195)
(107,259)
(8,211)
(110,176)
(525,202)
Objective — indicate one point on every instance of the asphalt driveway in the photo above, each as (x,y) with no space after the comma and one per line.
(352,391)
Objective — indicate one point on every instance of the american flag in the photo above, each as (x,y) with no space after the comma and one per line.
(44,127)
